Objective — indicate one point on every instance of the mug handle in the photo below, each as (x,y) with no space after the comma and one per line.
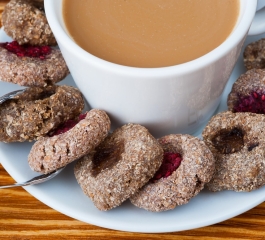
(258,24)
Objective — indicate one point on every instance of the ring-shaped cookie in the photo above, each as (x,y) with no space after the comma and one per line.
(51,153)
(254,55)
(37,111)
(238,144)
(25,22)
(32,71)
(248,93)
(121,164)
(186,181)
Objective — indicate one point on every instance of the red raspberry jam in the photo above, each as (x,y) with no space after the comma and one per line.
(65,127)
(254,103)
(170,164)
(27,50)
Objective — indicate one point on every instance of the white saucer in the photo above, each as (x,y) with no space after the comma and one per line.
(64,194)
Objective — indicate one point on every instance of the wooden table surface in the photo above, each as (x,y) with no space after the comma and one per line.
(24,217)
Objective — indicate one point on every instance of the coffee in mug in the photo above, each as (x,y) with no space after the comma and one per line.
(150,33)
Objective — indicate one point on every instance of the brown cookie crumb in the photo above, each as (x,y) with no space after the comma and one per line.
(37,111)
(25,21)
(29,71)
(238,144)
(195,170)
(254,55)
(51,153)
(121,164)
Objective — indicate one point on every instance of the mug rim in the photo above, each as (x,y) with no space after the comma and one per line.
(233,39)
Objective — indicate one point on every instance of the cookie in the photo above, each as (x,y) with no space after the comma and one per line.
(31,66)
(120,165)
(25,22)
(238,144)
(188,165)
(51,153)
(248,93)
(37,111)
(254,55)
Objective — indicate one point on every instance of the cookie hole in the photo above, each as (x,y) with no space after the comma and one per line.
(63,128)
(171,162)
(228,141)
(252,146)
(27,50)
(107,157)
(255,103)
(66,126)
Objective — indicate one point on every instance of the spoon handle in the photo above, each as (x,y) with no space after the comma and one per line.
(14,185)
(35,180)
(10,95)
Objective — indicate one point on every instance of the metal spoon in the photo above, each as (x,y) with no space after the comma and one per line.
(36,180)
(11,95)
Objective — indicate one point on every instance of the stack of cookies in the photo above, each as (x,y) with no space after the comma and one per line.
(236,137)
(129,163)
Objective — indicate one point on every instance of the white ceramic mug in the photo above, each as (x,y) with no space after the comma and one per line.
(176,99)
